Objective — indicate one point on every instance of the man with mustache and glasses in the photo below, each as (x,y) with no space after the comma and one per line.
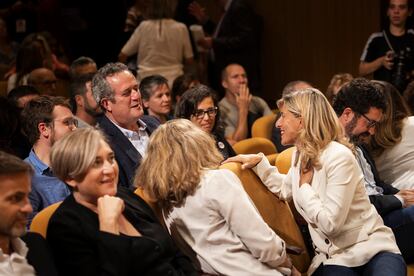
(360,106)
(115,89)
(19,256)
(45,120)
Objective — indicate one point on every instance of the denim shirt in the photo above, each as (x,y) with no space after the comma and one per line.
(46,188)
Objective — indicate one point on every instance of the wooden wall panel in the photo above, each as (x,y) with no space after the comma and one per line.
(312,40)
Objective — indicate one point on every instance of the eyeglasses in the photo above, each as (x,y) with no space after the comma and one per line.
(69,122)
(199,113)
(371,123)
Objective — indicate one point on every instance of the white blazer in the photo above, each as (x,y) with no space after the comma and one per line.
(345,227)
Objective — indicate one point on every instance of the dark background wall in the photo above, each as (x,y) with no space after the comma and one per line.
(313,40)
(302,39)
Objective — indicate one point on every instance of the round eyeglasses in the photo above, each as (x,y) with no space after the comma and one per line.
(200,113)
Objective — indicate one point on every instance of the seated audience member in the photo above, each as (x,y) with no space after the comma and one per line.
(327,188)
(55,54)
(409,96)
(115,89)
(19,255)
(82,66)
(181,84)
(45,120)
(392,145)
(336,83)
(239,108)
(44,80)
(29,57)
(84,106)
(35,52)
(206,208)
(199,105)
(289,88)
(156,97)
(360,106)
(101,229)
(20,95)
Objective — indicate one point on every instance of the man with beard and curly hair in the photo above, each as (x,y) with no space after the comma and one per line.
(360,106)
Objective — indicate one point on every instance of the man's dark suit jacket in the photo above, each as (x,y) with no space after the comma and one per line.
(383,203)
(80,248)
(238,41)
(126,155)
(39,255)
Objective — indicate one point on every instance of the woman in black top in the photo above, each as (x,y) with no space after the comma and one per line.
(101,229)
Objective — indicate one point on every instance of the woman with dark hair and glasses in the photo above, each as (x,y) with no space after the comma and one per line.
(199,105)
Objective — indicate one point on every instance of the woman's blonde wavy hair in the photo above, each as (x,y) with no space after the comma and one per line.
(177,154)
(320,124)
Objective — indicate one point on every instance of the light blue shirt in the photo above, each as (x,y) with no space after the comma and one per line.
(46,188)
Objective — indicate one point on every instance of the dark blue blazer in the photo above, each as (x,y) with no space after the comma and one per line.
(126,155)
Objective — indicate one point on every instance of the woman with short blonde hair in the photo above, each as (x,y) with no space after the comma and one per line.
(206,208)
(327,188)
(71,163)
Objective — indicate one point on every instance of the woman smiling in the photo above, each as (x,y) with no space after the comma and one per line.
(100,229)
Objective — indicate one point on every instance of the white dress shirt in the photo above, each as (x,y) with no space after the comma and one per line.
(16,264)
(139,139)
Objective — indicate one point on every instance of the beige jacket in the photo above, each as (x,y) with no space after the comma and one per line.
(344,226)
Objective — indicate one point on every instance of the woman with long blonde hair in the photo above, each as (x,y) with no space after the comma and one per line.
(327,188)
(206,208)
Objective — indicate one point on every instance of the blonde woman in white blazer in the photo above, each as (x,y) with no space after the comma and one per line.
(327,188)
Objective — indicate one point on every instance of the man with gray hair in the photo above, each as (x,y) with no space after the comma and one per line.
(115,88)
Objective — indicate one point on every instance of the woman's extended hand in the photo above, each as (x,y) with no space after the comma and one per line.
(248,160)
(288,263)
(109,210)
